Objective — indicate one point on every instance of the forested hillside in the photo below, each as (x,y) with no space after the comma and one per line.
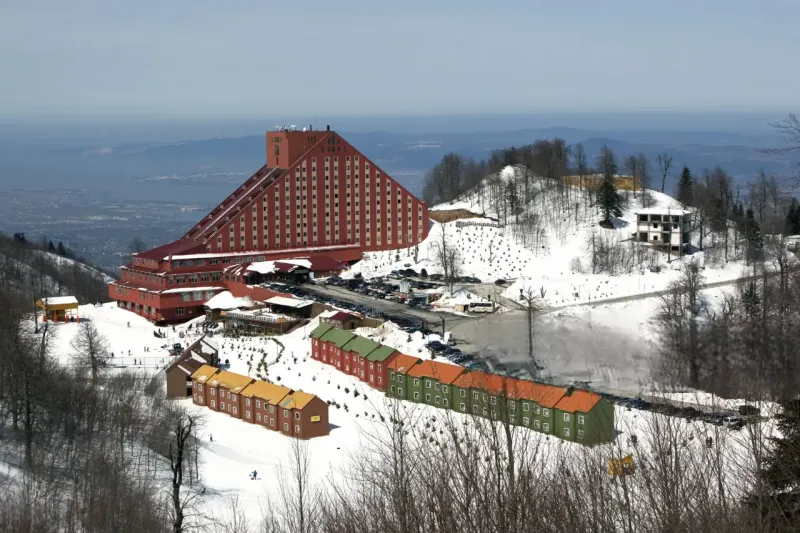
(32,270)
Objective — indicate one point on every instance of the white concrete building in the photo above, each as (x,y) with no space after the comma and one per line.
(663,227)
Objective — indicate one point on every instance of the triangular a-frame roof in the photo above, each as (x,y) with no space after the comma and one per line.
(321,330)
(361,345)
(381,354)
(338,337)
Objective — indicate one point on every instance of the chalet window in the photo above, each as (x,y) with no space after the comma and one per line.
(444,388)
(234,410)
(581,420)
(271,408)
(463,393)
(222,405)
(566,432)
(494,400)
(537,424)
(297,429)
(286,427)
(416,382)
(400,391)
(427,384)
(416,396)
(234,398)
(546,427)
(297,416)
(436,386)
(437,400)
(247,414)
(258,404)
(445,402)
(566,417)
(537,409)
(463,407)
(391,389)
(212,404)
(286,413)
(546,413)
(484,411)
(200,387)
(272,422)
(379,380)
(380,368)
(229,395)
(512,405)
(475,409)
(213,392)
(580,434)
(258,417)
(247,402)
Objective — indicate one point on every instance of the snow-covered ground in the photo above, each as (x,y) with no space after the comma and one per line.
(239,448)
(555,257)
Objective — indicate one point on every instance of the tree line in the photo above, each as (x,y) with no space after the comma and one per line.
(27,268)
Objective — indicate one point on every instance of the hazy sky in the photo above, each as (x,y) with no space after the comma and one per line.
(250,58)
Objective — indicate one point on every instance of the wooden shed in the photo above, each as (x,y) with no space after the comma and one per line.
(59,309)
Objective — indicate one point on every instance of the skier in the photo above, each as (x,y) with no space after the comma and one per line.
(211,437)
(129,324)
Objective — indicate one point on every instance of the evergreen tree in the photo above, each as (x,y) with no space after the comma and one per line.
(781,475)
(752,233)
(793,218)
(607,196)
(51,247)
(610,200)
(686,188)
(61,249)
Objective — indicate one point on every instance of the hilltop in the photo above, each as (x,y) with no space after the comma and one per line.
(30,271)
(551,244)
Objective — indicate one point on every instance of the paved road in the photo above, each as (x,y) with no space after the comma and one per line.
(643,295)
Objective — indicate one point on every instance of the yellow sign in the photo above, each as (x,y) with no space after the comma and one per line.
(315,418)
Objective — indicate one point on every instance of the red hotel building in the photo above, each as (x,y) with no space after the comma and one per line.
(316,196)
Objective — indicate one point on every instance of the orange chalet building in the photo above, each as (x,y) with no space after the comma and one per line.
(317,198)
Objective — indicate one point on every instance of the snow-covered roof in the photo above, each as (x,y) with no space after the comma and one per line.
(226,300)
(211,344)
(268,267)
(289,302)
(191,289)
(60,300)
(663,211)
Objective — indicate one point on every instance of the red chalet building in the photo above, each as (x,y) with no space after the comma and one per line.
(317,197)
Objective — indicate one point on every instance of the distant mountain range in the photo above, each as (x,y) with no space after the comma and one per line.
(220,163)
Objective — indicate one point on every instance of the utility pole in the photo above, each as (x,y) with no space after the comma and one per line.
(442,319)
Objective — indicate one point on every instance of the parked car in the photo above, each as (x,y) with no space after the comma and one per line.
(732,422)
(500,282)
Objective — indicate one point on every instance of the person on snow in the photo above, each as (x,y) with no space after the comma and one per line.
(211,437)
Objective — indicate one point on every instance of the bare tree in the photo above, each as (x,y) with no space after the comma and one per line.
(581,164)
(184,426)
(664,164)
(533,306)
(448,258)
(789,128)
(300,510)
(91,348)
(631,164)
(644,176)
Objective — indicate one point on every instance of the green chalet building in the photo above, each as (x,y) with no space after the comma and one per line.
(399,381)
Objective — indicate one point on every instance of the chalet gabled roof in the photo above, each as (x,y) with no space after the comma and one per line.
(321,330)
(361,345)
(338,337)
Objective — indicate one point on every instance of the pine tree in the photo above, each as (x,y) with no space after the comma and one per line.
(781,476)
(61,249)
(610,200)
(793,218)
(607,196)
(686,188)
(51,247)
(752,233)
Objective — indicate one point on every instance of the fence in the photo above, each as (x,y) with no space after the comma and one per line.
(487,223)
